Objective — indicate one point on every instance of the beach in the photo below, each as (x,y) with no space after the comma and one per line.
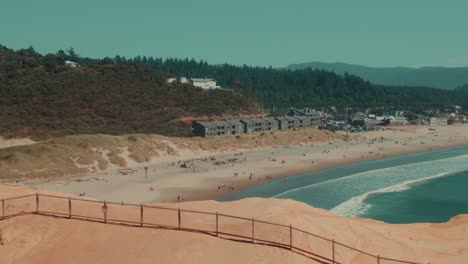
(174,181)
(216,174)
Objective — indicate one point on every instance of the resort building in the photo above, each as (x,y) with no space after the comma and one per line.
(358,116)
(206,84)
(297,112)
(303,121)
(71,64)
(399,121)
(203,83)
(204,129)
(237,127)
(316,117)
(218,128)
(250,125)
(259,124)
(283,123)
(288,122)
(438,121)
(271,124)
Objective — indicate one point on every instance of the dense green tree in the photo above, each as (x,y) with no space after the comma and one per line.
(62,55)
(72,55)
(51,62)
(106,61)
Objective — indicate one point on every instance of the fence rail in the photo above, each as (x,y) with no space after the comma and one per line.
(233,227)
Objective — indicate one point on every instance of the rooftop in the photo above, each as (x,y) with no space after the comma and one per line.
(206,124)
(201,80)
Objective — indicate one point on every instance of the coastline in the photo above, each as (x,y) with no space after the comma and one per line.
(410,241)
(205,180)
(324,166)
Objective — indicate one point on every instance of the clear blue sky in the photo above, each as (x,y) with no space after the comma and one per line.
(254,32)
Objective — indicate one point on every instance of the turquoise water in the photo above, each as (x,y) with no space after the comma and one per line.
(424,187)
(433,201)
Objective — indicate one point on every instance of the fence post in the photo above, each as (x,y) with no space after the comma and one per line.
(378,259)
(217,230)
(333,251)
(253,230)
(141,214)
(37,203)
(105,212)
(3,209)
(178,217)
(69,208)
(290,238)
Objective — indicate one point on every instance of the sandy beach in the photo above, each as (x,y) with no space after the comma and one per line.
(214,174)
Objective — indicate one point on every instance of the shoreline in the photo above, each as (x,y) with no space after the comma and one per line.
(295,172)
(203,181)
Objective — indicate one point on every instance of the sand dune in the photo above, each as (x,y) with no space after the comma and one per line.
(77,155)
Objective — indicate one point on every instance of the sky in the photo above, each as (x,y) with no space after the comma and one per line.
(254,32)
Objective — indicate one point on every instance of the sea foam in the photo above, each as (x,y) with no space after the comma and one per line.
(356,206)
(346,195)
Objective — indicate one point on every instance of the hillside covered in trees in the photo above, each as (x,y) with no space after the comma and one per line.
(41,97)
(435,77)
(302,87)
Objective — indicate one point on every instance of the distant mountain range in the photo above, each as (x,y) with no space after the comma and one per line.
(436,77)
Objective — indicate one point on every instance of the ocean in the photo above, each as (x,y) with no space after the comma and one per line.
(417,188)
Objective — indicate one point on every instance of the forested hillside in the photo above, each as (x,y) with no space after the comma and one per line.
(436,77)
(305,87)
(41,97)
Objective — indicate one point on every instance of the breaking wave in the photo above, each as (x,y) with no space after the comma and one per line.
(346,195)
(356,206)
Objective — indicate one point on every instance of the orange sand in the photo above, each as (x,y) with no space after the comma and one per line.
(41,239)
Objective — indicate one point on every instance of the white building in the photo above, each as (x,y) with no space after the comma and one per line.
(71,64)
(438,121)
(399,121)
(171,80)
(182,80)
(206,84)
(203,83)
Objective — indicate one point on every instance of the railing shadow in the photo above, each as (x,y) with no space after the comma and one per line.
(249,224)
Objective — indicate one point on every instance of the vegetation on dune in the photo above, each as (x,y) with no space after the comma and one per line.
(71,156)
(41,97)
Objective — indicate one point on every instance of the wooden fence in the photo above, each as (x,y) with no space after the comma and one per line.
(242,229)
